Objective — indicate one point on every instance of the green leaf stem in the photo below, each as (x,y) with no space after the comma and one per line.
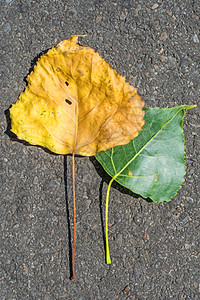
(151,165)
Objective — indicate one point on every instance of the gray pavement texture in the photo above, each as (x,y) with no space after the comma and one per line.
(154,247)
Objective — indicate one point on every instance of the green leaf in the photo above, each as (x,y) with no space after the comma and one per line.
(152,164)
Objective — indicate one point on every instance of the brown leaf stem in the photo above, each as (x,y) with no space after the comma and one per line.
(74,212)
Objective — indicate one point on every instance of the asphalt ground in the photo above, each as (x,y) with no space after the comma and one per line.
(154,247)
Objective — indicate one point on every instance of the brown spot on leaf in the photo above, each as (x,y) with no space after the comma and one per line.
(130,173)
(80,73)
(155,177)
(132,99)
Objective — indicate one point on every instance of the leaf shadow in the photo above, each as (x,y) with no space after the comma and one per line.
(34,62)
(106,178)
(68,216)
(101,216)
(13,137)
(8,131)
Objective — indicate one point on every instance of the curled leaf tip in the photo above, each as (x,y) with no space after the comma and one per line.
(74,38)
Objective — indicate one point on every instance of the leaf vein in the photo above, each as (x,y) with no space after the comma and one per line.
(147,143)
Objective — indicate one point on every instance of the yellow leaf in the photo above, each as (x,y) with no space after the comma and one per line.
(76,103)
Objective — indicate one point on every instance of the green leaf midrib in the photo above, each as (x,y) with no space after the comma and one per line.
(117,174)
